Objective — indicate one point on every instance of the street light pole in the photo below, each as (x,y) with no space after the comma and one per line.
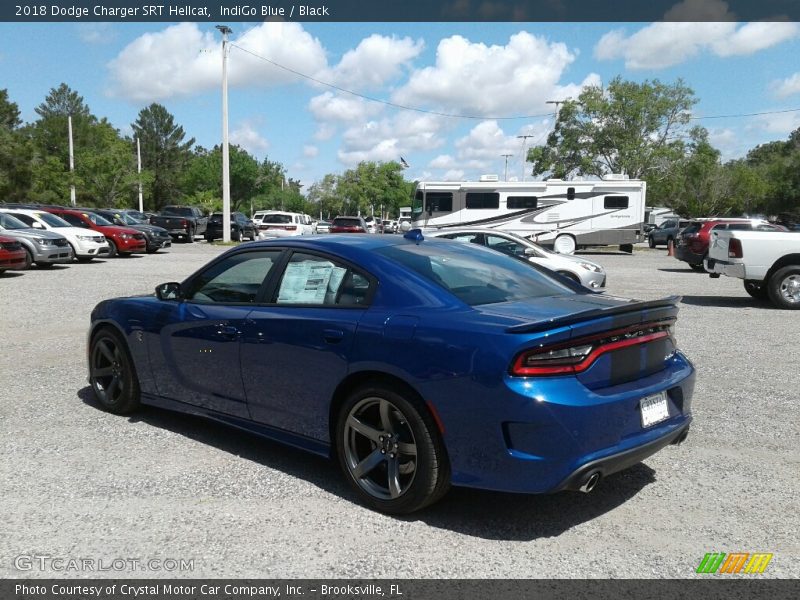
(71,162)
(139,162)
(226,176)
(524,142)
(506,172)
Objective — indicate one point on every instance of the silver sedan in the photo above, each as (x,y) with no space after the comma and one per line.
(577,268)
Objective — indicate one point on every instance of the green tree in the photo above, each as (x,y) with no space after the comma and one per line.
(164,153)
(15,153)
(371,187)
(628,127)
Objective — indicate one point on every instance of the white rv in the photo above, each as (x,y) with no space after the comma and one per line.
(562,214)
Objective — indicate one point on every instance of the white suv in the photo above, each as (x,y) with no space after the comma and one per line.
(86,244)
(277,223)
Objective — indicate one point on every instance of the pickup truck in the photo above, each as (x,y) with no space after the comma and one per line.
(767,261)
(181,221)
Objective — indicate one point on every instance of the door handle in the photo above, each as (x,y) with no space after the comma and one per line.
(333,336)
(228,331)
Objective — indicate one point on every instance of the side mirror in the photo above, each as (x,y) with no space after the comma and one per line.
(531,252)
(430,209)
(37,225)
(169,291)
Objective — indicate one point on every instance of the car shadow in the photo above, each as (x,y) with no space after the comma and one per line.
(727,302)
(11,274)
(686,270)
(476,513)
(59,267)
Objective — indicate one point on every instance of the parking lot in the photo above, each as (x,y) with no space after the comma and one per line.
(81,483)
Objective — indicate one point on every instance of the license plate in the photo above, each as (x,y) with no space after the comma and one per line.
(654,409)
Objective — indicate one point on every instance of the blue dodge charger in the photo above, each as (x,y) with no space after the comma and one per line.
(416,363)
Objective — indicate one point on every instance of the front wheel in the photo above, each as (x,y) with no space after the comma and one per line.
(784,287)
(112,374)
(28,259)
(651,242)
(390,451)
(564,244)
(112,249)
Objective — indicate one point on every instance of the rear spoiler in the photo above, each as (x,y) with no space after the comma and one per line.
(634,306)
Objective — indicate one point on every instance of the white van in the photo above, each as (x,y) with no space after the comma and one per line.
(278,223)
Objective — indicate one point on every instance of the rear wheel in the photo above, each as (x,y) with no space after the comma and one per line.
(190,235)
(564,244)
(390,450)
(236,236)
(756,289)
(651,242)
(784,287)
(112,374)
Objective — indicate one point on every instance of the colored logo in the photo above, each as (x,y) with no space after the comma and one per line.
(735,562)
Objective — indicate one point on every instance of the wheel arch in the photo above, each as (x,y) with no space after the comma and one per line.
(356,380)
(784,261)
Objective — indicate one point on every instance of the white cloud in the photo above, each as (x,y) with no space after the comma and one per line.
(310,151)
(787,87)
(96,33)
(443,161)
(182,60)
(727,141)
(665,44)
(780,123)
(329,107)
(376,60)
(454,175)
(248,137)
(476,79)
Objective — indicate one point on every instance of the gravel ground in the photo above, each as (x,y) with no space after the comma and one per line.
(80,483)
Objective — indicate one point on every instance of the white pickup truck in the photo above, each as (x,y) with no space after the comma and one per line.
(768,261)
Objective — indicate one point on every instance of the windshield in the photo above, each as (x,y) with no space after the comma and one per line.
(416,206)
(52,220)
(97,219)
(127,219)
(475,275)
(9,222)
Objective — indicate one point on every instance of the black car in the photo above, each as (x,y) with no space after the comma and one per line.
(155,236)
(241,227)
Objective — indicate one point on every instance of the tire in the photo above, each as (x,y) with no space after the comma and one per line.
(236,236)
(378,434)
(784,287)
(209,239)
(28,259)
(112,249)
(190,236)
(651,242)
(152,249)
(112,373)
(253,236)
(756,289)
(564,244)
(85,259)
(697,267)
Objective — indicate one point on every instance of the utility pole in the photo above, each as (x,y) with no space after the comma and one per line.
(139,161)
(506,157)
(71,162)
(557,103)
(524,142)
(226,175)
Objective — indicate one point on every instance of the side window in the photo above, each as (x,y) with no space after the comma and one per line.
(740,226)
(470,238)
(317,281)
(718,227)
(615,202)
(483,200)
(506,246)
(668,225)
(28,220)
(765,227)
(522,202)
(235,280)
(439,201)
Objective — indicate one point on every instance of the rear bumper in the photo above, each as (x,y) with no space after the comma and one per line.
(686,255)
(725,268)
(622,460)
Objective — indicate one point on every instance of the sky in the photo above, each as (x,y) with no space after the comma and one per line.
(500,74)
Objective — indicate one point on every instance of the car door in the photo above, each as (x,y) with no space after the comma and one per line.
(196,358)
(296,349)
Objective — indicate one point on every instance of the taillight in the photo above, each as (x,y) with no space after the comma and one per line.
(290,227)
(735,248)
(579,355)
(183,223)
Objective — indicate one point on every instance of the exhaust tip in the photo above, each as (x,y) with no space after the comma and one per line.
(590,482)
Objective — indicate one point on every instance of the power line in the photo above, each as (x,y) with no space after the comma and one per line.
(472,117)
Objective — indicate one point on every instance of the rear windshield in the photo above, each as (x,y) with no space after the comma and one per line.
(476,275)
(277,219)
(693,228)
(347,222)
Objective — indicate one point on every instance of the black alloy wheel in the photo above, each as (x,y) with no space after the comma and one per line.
(112,374)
